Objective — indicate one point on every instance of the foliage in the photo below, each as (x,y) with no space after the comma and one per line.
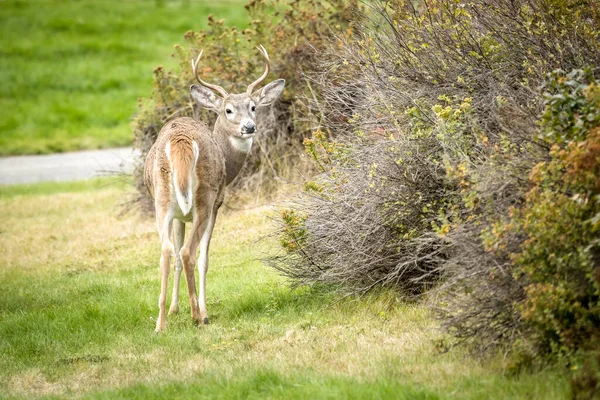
(571,112)
(558,263)
(292,32)
(585,383)
(432,118)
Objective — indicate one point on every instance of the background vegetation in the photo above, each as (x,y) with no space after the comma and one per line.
(294,33)
(72,71)
(452,147)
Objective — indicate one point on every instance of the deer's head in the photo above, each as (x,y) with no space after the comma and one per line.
(236,112)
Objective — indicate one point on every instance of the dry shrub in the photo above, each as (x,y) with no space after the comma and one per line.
(292,32)
(364,223)
(430,117)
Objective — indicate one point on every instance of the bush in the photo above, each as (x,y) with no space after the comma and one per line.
(585,383)
(365,222)
(431,120)
(292,33)
(558,263)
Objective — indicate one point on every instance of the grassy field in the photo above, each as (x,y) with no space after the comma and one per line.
(72,71)
(78,299)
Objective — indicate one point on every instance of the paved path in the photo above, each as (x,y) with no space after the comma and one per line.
(65,166)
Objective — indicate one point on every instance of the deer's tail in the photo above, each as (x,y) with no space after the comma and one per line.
(183,155)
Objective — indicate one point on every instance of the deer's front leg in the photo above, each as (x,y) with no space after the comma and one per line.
(164,220)
(203,263)
(178,236)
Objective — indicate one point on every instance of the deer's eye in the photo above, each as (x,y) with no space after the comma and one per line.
(229,111)
(253,108)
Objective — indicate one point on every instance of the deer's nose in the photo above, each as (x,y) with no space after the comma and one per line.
(250,127)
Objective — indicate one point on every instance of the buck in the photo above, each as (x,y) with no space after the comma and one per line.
(186,172)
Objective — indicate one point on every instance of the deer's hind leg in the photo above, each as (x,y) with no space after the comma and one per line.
(178,237)
(164,223)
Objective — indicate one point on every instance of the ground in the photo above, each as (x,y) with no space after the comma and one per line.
(78,300)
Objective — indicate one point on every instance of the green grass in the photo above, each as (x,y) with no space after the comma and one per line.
(72,71)
(78,302)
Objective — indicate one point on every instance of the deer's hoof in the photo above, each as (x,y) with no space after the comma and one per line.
(205,320)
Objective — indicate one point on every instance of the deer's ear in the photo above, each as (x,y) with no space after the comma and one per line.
(205,97)
(269,93)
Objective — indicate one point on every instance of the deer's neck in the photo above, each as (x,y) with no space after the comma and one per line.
(235,150)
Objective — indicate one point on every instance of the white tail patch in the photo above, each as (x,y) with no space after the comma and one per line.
(184,200)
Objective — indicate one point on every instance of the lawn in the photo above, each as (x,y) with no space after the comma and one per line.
(78,301)
(72,71)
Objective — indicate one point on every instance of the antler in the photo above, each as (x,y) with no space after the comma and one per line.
(264,75)
(208,85)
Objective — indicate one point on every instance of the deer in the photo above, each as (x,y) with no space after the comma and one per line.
(186,172)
